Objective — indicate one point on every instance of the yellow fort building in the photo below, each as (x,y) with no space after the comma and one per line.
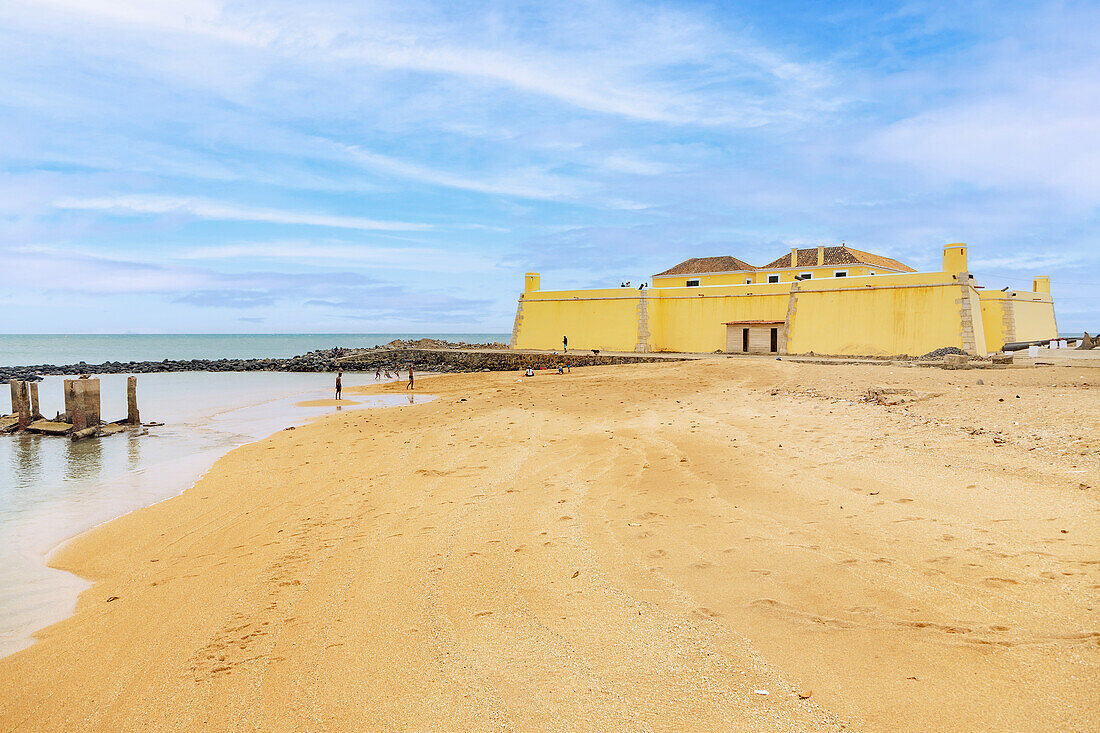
(825,300)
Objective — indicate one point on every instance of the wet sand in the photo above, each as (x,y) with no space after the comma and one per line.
(645,547)
(326,403)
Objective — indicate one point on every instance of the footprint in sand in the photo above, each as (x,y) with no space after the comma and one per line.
(702,565)
(1001,581)
(684,500)
(479,614)
(656,553)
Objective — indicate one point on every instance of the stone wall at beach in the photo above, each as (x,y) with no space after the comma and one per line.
(442,360)
(383,357)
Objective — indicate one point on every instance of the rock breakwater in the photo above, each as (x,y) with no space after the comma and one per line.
(436,358)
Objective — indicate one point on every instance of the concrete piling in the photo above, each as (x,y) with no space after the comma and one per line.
(133,417)
(82,410)
(74,406)
(16,395)
(82,402)
(24,406)
(20,403)
(36,414)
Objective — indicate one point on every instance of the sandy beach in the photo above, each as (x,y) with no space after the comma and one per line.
(729,544)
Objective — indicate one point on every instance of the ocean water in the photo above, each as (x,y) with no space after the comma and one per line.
(32,349)
(52,488)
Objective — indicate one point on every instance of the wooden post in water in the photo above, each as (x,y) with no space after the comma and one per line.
(132,415)
(36,414)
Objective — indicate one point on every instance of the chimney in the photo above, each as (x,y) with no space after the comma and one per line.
(794,256)
(1041,285)
(820,255)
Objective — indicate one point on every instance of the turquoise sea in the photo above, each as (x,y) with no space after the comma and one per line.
(32,349)
(52,488)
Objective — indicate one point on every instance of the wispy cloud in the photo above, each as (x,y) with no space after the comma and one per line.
(203,209)
(589,58)
(415,258)
(532,183)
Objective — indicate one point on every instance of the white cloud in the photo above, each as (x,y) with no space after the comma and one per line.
(1020,111)
(634,165)
(607,57)
(531,183)
(425,259)
(1029,262)
(1026,141)
(205,209)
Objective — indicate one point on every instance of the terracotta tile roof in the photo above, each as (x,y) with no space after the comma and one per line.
(842,255)
(739,323)
(702,265)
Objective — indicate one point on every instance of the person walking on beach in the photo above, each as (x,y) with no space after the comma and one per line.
(410,384)
(565,344)
(339,385)
(377,374)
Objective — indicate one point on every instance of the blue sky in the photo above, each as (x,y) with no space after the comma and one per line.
(205,166)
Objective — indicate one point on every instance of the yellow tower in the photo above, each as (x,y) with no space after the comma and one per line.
(954,258)
(1041,285)
(531,282)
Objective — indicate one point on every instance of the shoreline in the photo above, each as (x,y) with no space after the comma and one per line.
(57,596)
(652,542)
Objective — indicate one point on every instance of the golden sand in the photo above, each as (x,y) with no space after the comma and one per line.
(650,547)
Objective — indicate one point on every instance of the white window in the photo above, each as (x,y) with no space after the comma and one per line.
(693,283)
(840,273)
(773,278)
(805,275)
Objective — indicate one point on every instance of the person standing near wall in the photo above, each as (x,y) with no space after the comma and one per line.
(565,344)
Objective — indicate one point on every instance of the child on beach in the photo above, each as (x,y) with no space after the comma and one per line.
(339,386)
(410,384)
